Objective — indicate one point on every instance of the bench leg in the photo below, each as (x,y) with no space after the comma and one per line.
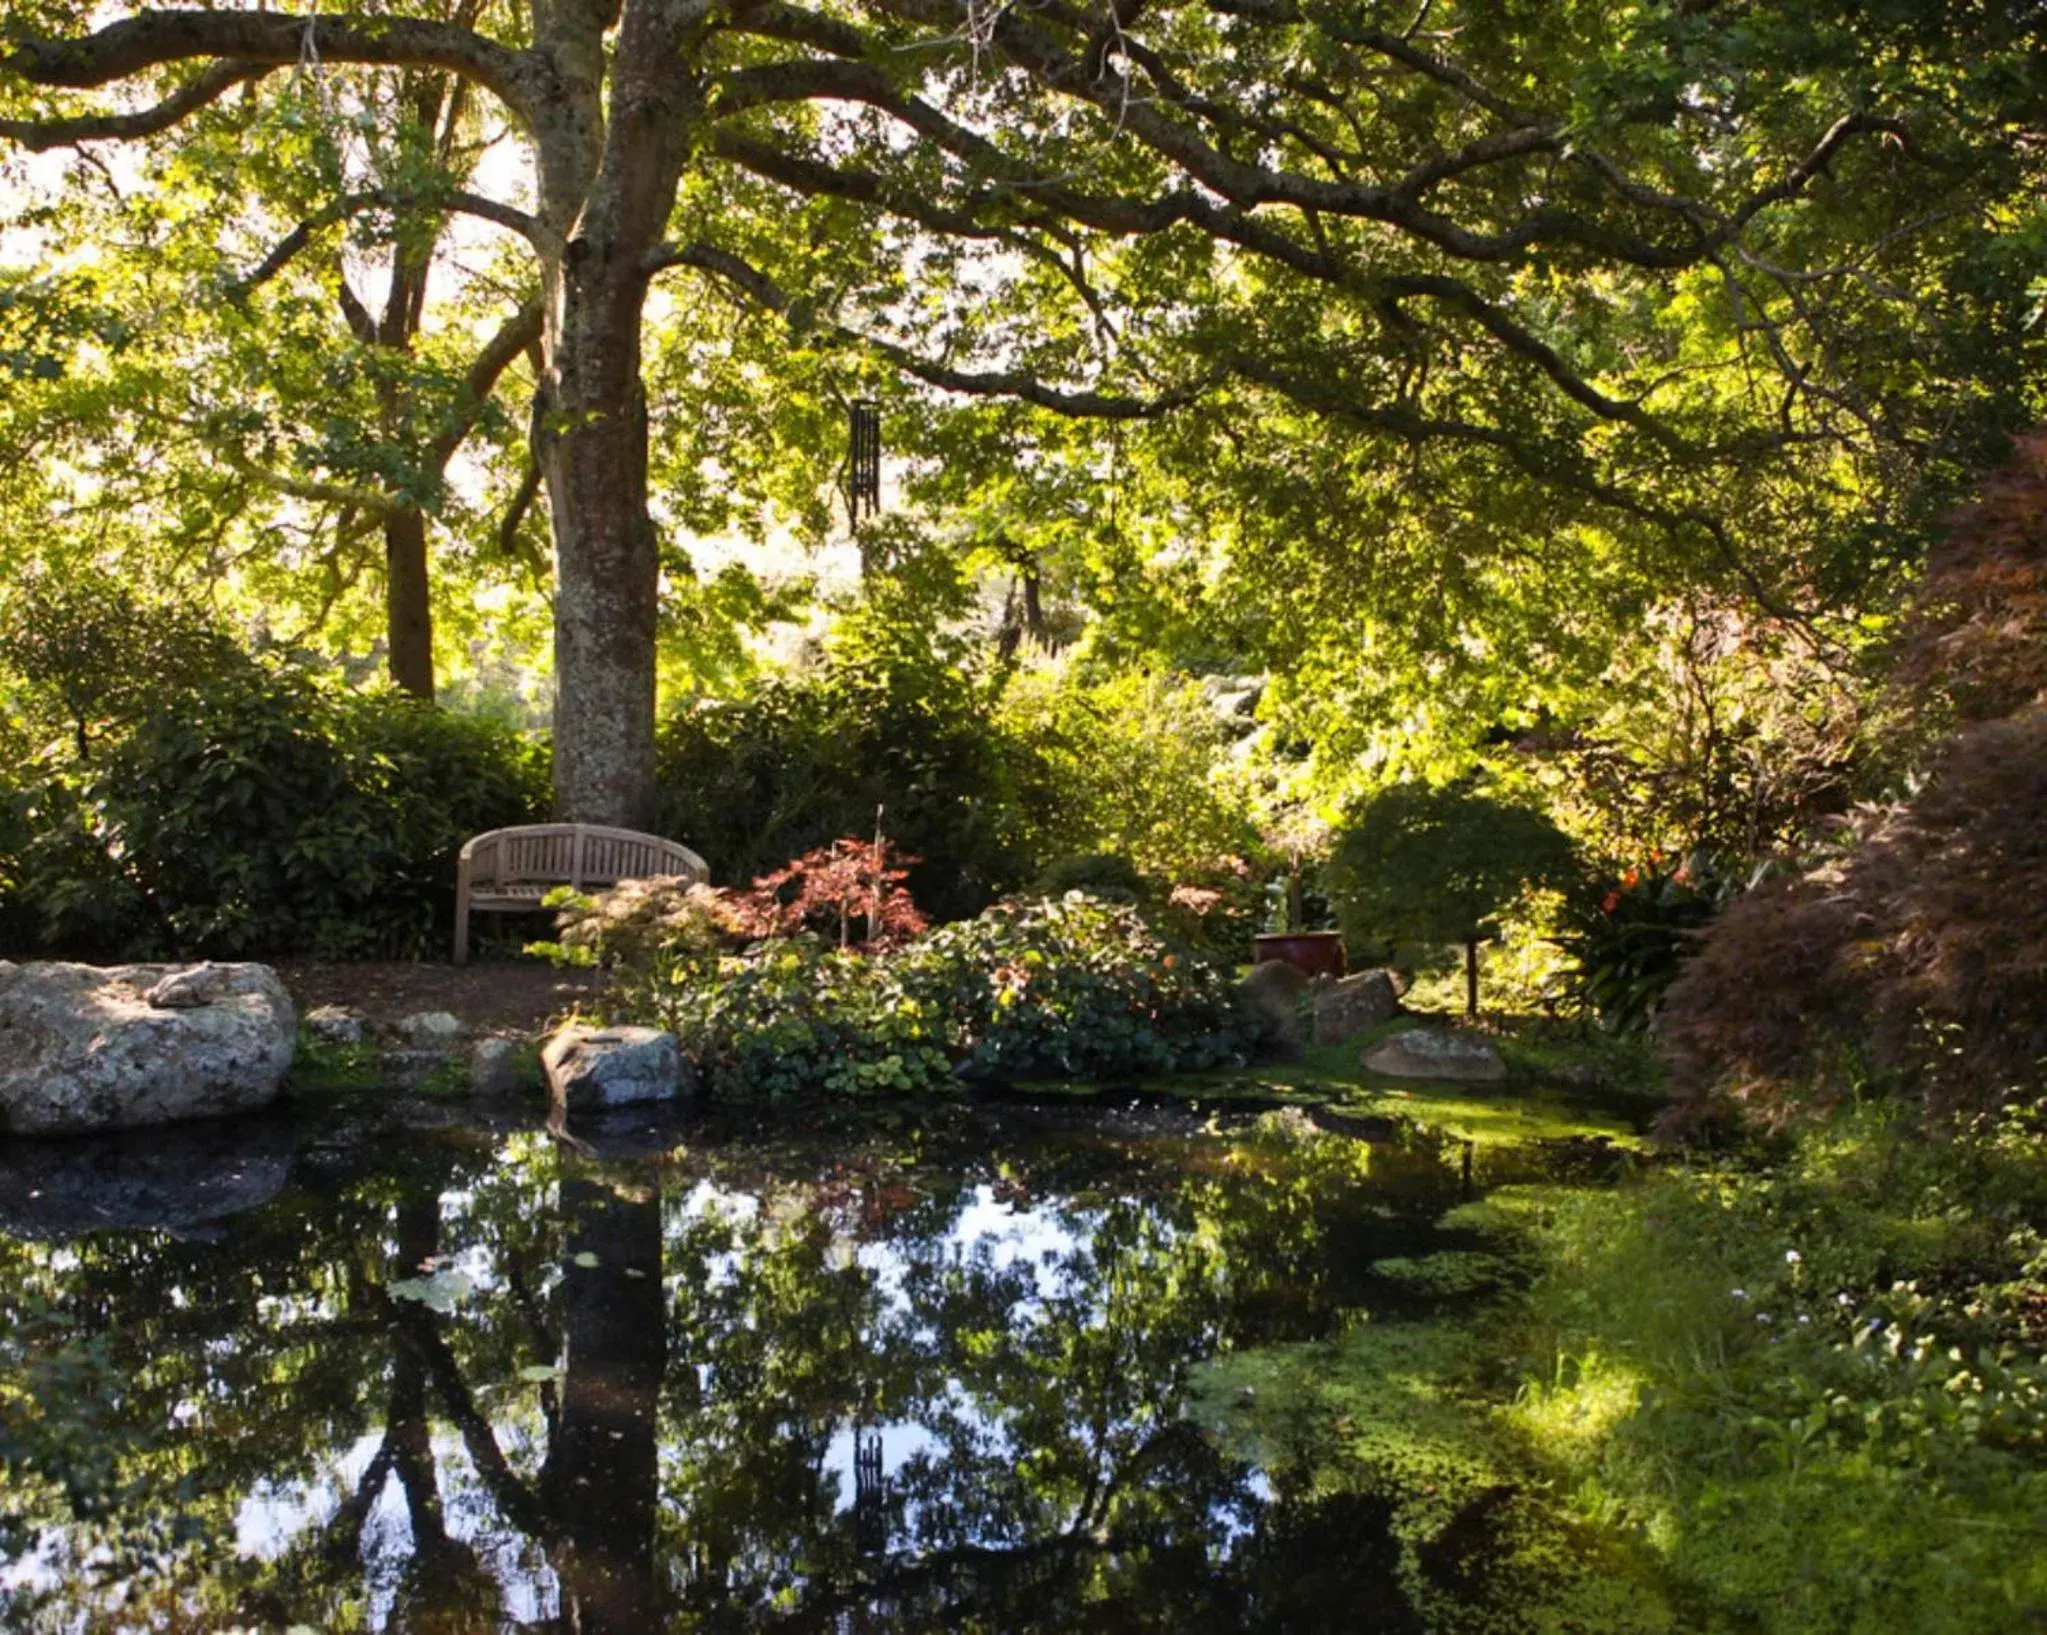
(461,933)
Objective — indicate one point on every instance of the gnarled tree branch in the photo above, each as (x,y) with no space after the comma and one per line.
(207,86)
(151,39)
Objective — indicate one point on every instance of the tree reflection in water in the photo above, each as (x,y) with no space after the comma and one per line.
(853,1381)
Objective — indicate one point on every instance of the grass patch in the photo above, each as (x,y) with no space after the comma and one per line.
(322,1068)
(1566,1084)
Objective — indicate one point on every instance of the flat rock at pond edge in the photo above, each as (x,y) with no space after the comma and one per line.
(85,1048)
(614,1067)
(1355,1004)
(338,1024)
(1437,1053)
(427,1029)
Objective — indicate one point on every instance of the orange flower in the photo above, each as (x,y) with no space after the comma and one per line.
(1610,902)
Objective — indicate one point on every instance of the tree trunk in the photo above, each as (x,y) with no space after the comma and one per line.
(607,565)
(602,1479)
(408,613)
(1471,976)
(608,189)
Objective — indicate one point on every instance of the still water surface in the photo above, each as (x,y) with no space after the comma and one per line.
(816,1372)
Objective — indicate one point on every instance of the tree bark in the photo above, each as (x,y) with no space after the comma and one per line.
(601,1480)
(607,564)
(408,610)
(608,189)
(1471,976)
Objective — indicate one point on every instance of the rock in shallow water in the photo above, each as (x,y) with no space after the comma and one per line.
(82,1047)
(1436,1053)
(494,1067)
(614,1067)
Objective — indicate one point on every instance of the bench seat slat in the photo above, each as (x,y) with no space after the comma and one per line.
(513,869)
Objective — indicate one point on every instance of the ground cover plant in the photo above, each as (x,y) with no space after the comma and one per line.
(1815,1386)
(1068,987)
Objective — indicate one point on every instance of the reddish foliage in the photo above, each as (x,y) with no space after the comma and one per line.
(851,891)
(1978,629)
(1923,952)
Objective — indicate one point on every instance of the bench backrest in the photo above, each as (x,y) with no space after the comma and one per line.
(575,854)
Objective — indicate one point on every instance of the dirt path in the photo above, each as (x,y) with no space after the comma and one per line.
(493,996)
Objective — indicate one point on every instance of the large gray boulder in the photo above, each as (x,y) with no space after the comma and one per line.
(1437,1053)
(88,1047)
(1272,989)
(589,1068)
(1355,1004)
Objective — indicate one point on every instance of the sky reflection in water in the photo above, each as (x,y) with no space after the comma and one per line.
(701,1376)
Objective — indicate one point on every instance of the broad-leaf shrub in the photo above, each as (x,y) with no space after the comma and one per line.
(1074,987)
(798,1015)
(1080,988)
(1629,937)
(250,807)
(653,938)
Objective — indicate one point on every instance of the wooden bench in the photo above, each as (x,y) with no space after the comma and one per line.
(511,870)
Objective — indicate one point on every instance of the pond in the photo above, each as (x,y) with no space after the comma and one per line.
(425,1371)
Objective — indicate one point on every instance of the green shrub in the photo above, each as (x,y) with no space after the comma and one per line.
(897,728)
(1137,765)
(283,816)
(243,806)
(1076,988)
(1107,875)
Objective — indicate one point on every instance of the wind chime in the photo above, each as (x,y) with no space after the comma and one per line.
(863,461)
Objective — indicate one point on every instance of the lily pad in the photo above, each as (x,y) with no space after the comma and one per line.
(442,1292)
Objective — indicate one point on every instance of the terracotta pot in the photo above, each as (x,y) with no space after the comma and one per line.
(1313,952)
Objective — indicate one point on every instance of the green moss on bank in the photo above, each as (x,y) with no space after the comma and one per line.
(1564,1085)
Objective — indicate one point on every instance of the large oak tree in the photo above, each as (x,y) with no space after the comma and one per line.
(1690,269)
